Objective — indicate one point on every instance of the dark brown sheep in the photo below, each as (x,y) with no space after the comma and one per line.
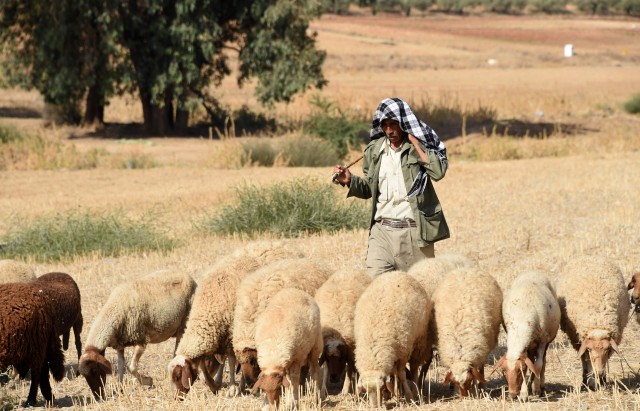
(29,337)
(67,312)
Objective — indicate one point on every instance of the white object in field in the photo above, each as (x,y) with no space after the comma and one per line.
(568,50)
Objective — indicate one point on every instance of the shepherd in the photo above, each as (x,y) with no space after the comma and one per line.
(401,160)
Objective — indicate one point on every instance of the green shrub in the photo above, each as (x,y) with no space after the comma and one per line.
(64,236)
(289,209)
(333,125)
(305,151)
(9,135)
(260,152)
(549,6)
(633,104)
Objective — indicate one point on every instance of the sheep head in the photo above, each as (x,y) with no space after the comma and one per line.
(335,354)
(94,367)
(271,382)
(595,351)
(377,386)
(634,285)
(183,374)
(465,379)
(515,371)
(248,359)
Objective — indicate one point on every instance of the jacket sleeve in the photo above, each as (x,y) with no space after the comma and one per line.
(360,186)
(436,167)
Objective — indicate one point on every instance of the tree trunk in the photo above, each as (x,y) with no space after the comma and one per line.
(94,110)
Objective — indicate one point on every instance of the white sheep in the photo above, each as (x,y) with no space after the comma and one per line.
(468,313)
(595,309)
(288,337)
(12,271)
(253,295)
(209,329)
(531,317)
(148,310)
(390,327)
(337,299)
(430,271)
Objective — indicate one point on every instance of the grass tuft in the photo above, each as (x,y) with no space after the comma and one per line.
(633,104)
(64,236)
(288,209)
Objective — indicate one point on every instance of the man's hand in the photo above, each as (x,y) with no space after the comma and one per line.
(342,173)
(416,144)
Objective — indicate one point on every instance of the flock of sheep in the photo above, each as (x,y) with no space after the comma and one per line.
(280,317)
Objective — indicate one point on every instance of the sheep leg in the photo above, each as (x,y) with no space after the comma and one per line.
(138,350)
(65,339)
(401,377)
(33,389)
(219,374)
(120,365)
(414,365)
(45,385)
(346,387)
(207,376)
(325,377)
(77,329)
(294,376)
(316,374)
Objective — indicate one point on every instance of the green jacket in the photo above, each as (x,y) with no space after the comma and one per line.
(426,207)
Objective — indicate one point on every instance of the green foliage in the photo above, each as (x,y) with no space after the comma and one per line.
(335,6)
(504,6)
(549,6)
(629,7)
(593,6)
(333,125)
(289,209)
(452,6)
(9,135)
(63,236)
(633,104)
(295,151)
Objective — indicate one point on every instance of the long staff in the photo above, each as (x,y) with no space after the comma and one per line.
(334,179)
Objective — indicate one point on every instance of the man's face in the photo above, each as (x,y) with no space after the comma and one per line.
(392,129)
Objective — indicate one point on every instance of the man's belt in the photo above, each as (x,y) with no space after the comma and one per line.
(397,223)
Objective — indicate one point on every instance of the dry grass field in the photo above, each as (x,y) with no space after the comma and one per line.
(509,216)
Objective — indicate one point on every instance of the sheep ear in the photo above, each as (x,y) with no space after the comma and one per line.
(631,284)
(498,365)
(186,377)
(583,348)
(389,384)
(257,384)
(322,359)
(477,375)
(448,378)
(532,366)
(614,345)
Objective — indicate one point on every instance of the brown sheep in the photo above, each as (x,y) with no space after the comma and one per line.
(67,311)
(29,337)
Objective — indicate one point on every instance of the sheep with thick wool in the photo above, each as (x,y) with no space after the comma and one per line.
(208,333)
(253,295)
(468,312)
(531,318)
(288,337)
(337,299)
(67,309)
(594,309)
(430,271)
(148,310)
(29,337)
(390,327)
(12,271)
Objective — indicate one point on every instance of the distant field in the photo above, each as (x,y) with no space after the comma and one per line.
(509,216)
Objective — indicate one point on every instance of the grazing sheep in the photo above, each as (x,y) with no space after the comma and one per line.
(208,331)
(149,310)
(337,299)
(595,309)
(67,310)
(390,327)
(29,337)
(531,317)
(634,285)
(12,271)
(255,292)
(430,271)
(288,337)
(468,313)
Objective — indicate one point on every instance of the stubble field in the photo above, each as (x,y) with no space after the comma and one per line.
(509,216)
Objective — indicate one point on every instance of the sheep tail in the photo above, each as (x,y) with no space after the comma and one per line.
(55,358)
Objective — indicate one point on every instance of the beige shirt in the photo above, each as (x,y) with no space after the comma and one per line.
(392,202)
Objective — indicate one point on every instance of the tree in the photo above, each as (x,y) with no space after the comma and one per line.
(593,6)
(168,52)
(629,7)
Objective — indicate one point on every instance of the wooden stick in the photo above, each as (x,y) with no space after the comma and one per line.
(334,179)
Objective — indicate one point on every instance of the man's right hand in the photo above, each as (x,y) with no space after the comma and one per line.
(343,175)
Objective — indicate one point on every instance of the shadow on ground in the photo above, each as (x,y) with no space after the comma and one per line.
(19,112)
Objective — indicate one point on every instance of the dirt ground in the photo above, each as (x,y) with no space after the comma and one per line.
(508,216)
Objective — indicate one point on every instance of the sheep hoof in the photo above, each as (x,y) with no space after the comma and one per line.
(234,391)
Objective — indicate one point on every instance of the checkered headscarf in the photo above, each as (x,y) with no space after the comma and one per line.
(399,110)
